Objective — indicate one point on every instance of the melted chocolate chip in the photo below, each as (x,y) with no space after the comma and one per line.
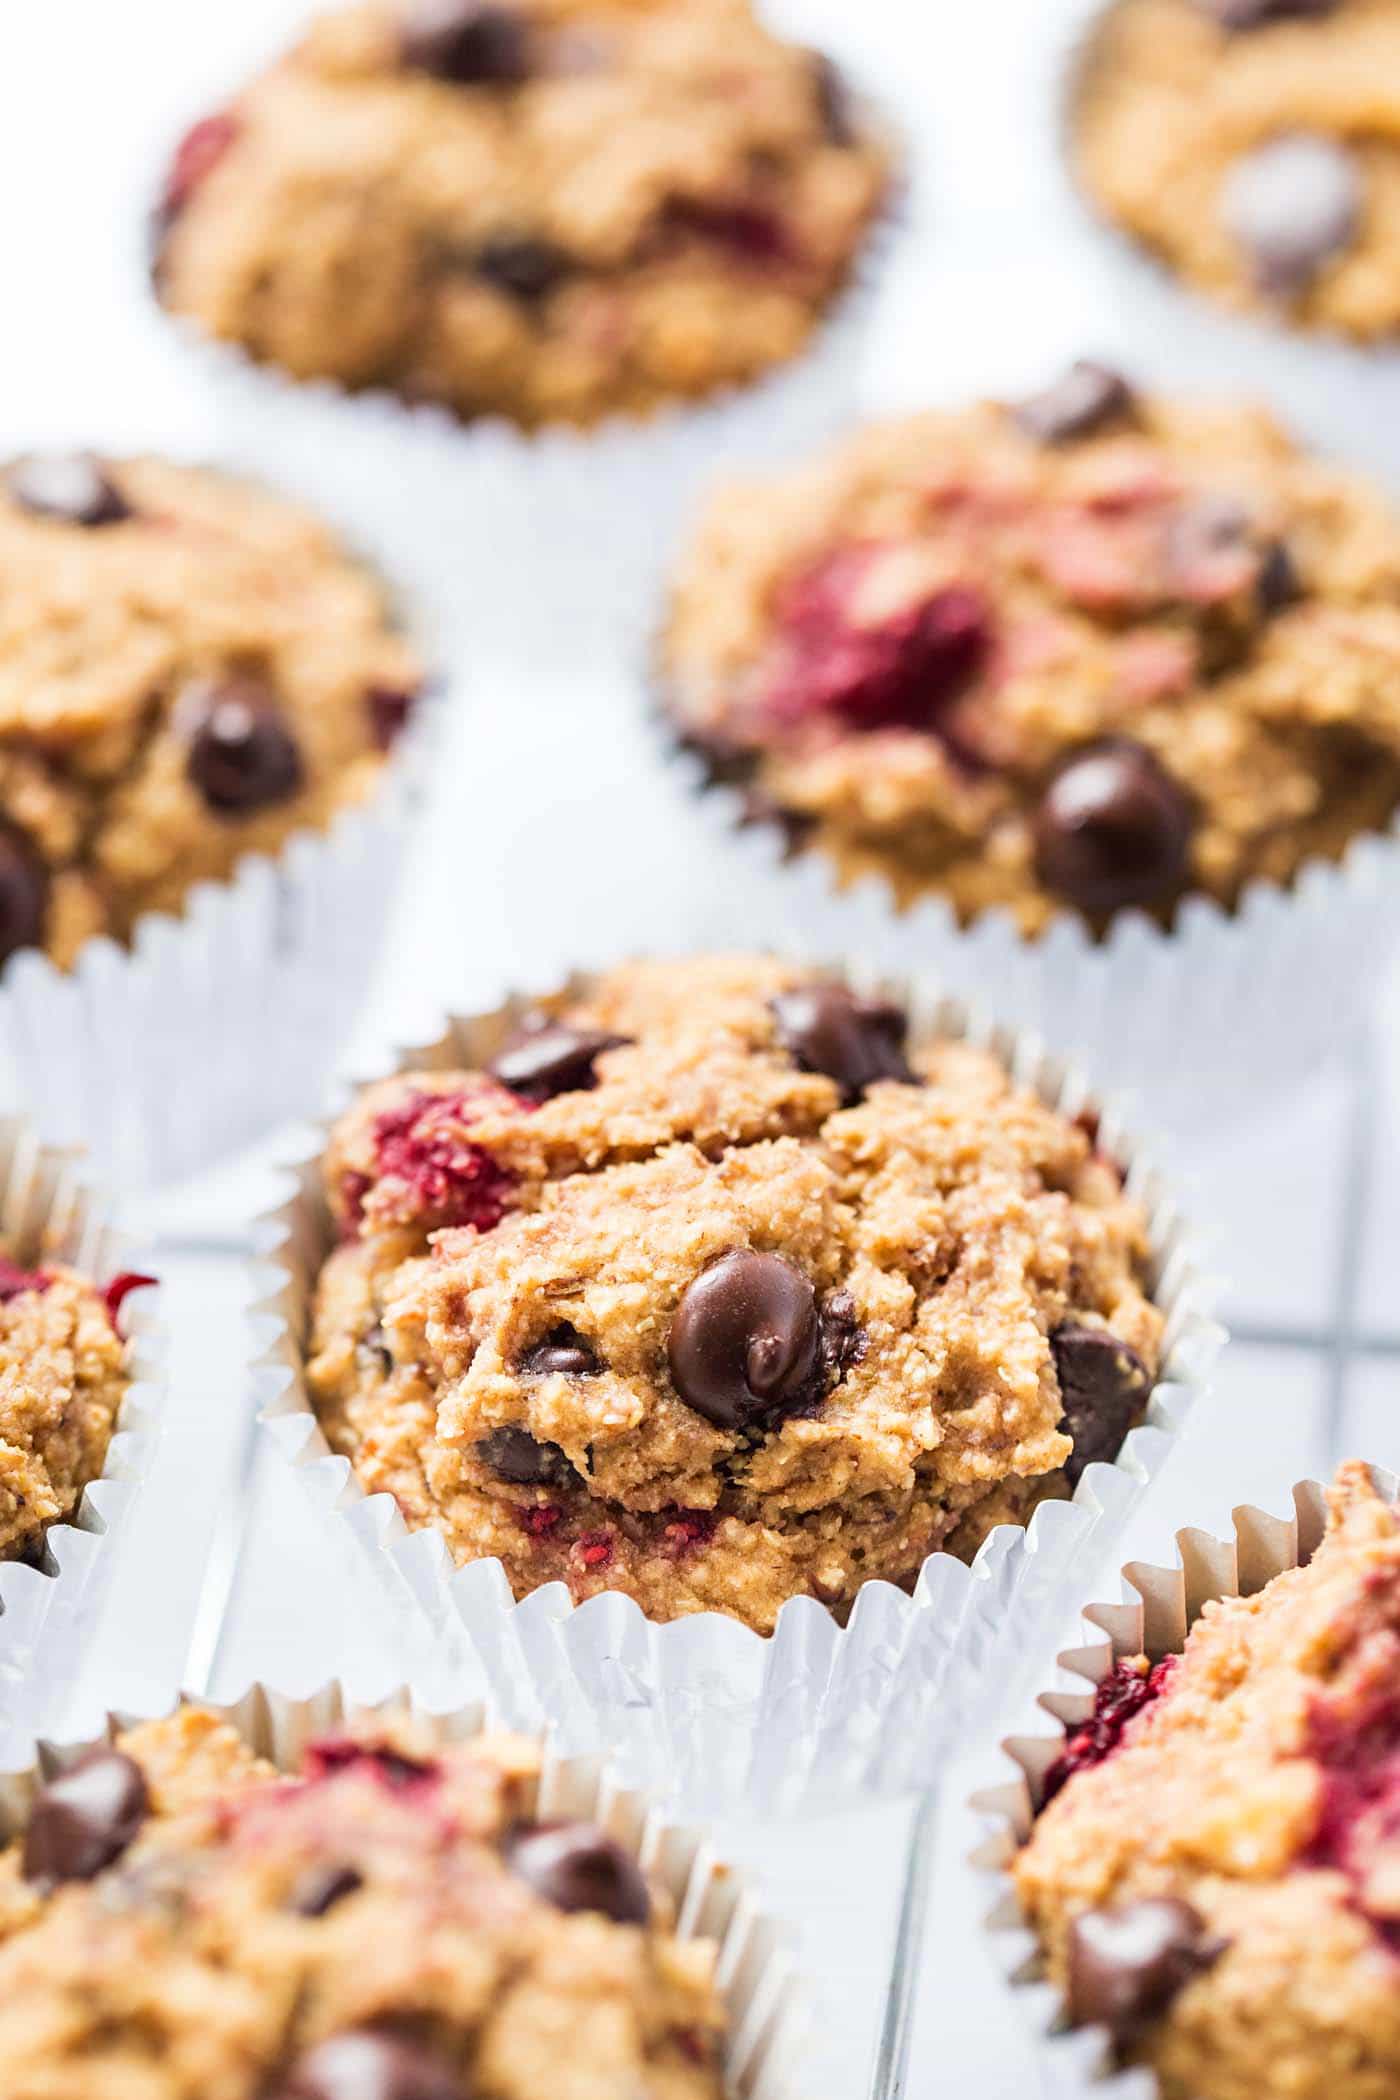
(365,2065)
(469,42)
(242,756)
(390,712)
(24,895)
(523,268)
(1255,14)
(1279,584)
(577,1866)
(843,1337)
(547,1057)
(1083,401)
(562,1350)
(827,1029)
(1103,1386)
(745,1343)
(319,1889)
(1127,1964)
(85,1819)
(514,1455)
(1292,205)
(70,487)
(1113,829)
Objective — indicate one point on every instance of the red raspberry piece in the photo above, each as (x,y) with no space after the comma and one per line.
(197,155)
(900,673)
(1119,1699)
(120,1289)
(1358,1825)
(595,1549)
(331,1755)
(13,1280)
(752,232)
(689,1528)
(420,1144)
(539,1520)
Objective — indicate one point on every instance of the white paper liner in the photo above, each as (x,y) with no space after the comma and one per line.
(1160,1607)
(755,1972)
(534,549)
(216,1023)
(703,1706)
(48,1213)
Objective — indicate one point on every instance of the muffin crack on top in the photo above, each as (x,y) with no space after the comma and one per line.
(550,211)
(735,1294)
(1215,1870)
(1089,652)
(392,1921)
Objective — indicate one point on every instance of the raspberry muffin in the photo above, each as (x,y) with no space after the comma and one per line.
(190,671)
(550,211)
(1215,1874)
(1090,652)
(1255,147)
(714,1290)
(178,1919)
(62,1384)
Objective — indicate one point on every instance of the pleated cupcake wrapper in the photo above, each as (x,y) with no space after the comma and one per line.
(215,1024)
(1336,393)
(1160,1607)
(755,1971)
(704,1706)
(48,1213)
(535,547)
(1201,1023)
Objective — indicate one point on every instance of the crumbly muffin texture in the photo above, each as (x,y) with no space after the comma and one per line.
(1091,651)
(180,1921)
(62,1384)
(190,670)
(1254,145)
(550,211)
(1217,1873)
(714,1292)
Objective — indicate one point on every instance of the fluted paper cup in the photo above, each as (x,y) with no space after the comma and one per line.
(214,1024)
(703,1706)
(47,1213)
(1160,1607)
(755,1974)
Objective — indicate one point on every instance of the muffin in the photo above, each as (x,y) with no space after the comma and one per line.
(63,1381)
(1254,146)
(1215,1874)
(713,1290)
(191,670)
(1088,653)
(551,211)
(178,1920)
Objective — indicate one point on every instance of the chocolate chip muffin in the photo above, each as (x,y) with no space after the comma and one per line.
(714,1290)
(190,671)
(1216,1872)
(1092,651)
(62,1384)
(179,1920)
(550,211)
(1254,145)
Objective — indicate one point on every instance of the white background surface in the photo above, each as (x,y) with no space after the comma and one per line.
(994,284)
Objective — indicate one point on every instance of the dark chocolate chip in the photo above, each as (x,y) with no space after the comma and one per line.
(373,1348)
(1127,1964)
(242,755)
(548,1057)
(24,895)
(746,1340)
(843,1337)
(1113,829)
(563,1349)
(1087,397)
(1103,1386)
(514,1455)
(1293,205)
(71,487)
(523,268)
(833,101)
(390,712)
(827,1029)
(469,42)
(366,2065)
(577,1866)
(1255,14)
(320,1888)
(1279,584)
(85,1819)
